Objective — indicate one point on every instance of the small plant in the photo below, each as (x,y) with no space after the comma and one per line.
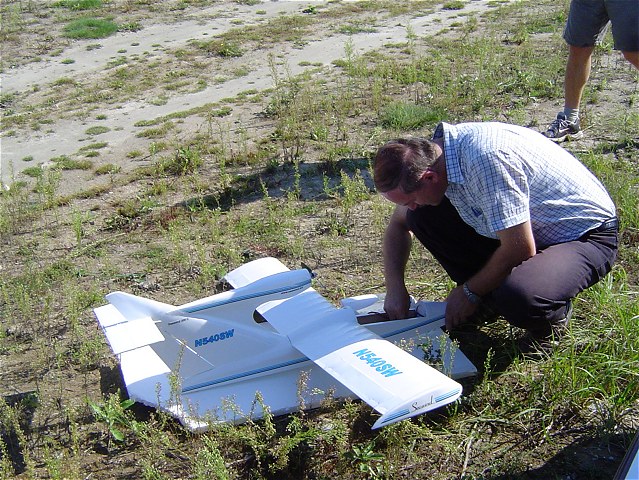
(365,458)
(134,154)
(107,169)
(185,160)
(62,81)
(157,132)
(210,462)
(130,27)
(14,412)
(127,213)
(78,218)
(47,184)
(113,413)
(94,146)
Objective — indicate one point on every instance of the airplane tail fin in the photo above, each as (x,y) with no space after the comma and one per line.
(133,307)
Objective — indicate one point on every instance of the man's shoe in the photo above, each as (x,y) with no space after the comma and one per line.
(540,343)
(561,129)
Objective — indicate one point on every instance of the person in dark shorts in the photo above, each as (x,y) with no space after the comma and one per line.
(586,25)
(517,222)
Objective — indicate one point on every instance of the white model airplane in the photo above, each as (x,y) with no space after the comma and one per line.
(205,361)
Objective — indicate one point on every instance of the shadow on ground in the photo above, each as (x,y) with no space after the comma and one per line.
(315,179)
(589,458)
(17,415)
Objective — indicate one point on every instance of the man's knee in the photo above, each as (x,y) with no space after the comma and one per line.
(580,54)
(524,306)
(632,57)
(515,303)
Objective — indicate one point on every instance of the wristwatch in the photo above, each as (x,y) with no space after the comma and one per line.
(472,297)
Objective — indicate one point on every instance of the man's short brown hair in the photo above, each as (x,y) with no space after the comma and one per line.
(401,163)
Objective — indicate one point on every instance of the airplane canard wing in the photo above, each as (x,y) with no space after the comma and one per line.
(389,379)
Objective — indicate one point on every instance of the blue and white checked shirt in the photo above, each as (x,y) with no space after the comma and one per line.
(502,175)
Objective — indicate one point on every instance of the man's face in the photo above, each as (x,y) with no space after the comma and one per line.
(428,193)
(409,200)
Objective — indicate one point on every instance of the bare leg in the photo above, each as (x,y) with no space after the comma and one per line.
(577,73)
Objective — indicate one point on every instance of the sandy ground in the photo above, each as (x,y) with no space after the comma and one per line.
(65,137)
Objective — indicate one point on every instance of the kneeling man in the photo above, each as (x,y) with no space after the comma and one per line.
(517,222)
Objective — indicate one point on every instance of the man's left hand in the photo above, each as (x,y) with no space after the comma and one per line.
(458,308)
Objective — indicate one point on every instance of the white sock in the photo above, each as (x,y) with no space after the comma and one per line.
(572,114)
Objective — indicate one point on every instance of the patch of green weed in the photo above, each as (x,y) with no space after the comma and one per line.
(108,168)
(64,162)
(79,4)
(221,48)
(84,28)
(97,130)
(406,116)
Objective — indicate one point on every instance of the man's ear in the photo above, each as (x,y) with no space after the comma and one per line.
(428,175)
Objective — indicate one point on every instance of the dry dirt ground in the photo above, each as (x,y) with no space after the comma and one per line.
(52,125)
(64,131)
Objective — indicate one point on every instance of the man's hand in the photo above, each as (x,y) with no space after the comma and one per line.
(517,244)
(396,248)
(458,308)
(397,303)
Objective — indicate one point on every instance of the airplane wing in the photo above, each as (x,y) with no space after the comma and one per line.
(389,379)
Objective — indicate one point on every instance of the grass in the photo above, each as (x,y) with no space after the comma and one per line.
(294,183)
(221,48)
(406,116)
(97,130)
(87,28)
(79,4)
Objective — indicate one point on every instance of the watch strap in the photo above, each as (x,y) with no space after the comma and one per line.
(470,295)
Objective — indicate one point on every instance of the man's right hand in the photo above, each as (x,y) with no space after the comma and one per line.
(397,303)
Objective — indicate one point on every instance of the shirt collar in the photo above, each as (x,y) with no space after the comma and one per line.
(451,153)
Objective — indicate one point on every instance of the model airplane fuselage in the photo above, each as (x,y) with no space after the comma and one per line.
(205,361)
